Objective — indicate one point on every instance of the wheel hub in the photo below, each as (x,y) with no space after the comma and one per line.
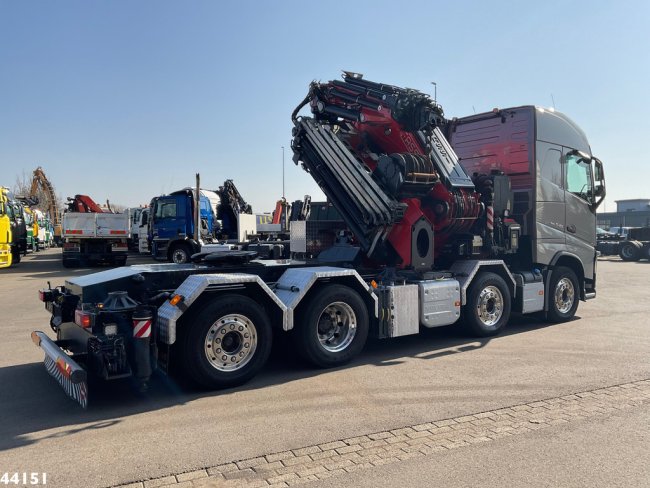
(179,257)
(230,342)
(337,327)
(490,305)
(564,295)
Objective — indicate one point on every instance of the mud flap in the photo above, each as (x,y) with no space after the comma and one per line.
(63,368)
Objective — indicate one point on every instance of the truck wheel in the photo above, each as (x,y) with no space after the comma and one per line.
(180,253)
(227,342)
(564,295)
(120,261)
(70,263)
(630,251)
(487,310)
(332,327)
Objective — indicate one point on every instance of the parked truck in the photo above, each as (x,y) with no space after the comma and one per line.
(143,232)
(6,235)
(443,221)
(636,244)
(173,225)
(135,213)
(18,228)
(31,223)
(91,235)
(224,218)
(44,235)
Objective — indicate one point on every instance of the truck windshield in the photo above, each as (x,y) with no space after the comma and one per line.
(578,176)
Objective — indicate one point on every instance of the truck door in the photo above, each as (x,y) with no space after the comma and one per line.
(5,233)
(207,218)
(550,212)
(169,218)
(580,211)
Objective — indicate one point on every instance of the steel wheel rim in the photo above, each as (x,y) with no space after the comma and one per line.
(564,295)
(627,251)
(179,256)
(336,327)
(490,306)
(231,342)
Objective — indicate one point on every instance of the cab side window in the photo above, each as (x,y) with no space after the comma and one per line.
(551,166)
(578,176)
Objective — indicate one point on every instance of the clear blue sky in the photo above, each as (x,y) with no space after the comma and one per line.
(128,99)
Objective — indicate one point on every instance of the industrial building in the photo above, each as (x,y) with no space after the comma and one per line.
(629,213)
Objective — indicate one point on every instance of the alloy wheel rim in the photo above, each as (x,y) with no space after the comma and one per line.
(564,295)
(337,327)
(231,342)
(490,306)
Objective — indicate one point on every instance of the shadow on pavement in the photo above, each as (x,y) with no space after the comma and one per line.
(32,401)
(47,264)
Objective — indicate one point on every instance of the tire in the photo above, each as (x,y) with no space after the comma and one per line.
(180,253)
(630,251)
(121,261)
(564,295)
(70,263)
(320,341)
(488,306)
(245,329)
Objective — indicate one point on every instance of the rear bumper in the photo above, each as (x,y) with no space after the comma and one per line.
(63,368)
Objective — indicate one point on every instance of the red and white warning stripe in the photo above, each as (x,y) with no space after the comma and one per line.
(141,328)
(490,218)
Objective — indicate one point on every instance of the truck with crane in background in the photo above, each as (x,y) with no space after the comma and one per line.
(441,222)
(222,217)
(93,235)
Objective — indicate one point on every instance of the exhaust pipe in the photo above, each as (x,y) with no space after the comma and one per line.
(197,211)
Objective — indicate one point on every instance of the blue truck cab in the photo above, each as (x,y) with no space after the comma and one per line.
(171,225)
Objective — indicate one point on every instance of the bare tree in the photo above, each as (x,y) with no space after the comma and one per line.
(23,184)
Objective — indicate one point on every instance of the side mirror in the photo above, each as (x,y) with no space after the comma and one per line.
(599,182)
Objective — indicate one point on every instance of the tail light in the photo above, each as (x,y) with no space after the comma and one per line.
(45,295)
(83,319)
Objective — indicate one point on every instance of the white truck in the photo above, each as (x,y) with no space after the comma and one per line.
(94,237)
(143,232)
(134,220)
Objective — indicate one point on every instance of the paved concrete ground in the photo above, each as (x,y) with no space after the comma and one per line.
(407,381)
(605,452)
